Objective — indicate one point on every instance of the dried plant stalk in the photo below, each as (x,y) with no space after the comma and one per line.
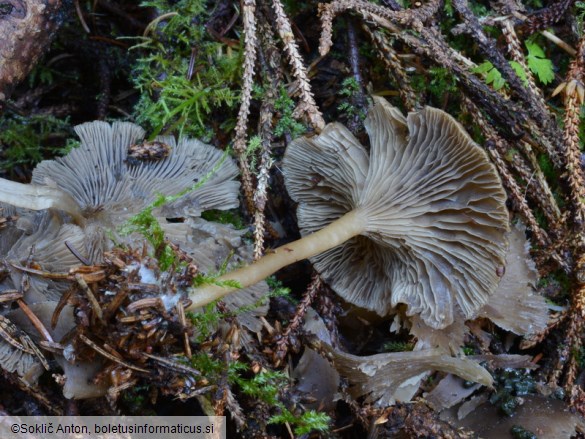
(546,17)
(387,55)
(571,151)
(284,341)
(407,17)
(260,196)
(574,92)
(306,95)
(515,51)
(248,10)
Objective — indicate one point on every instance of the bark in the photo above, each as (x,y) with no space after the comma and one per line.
(26,30)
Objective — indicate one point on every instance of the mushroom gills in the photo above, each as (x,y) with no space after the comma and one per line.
(425,201)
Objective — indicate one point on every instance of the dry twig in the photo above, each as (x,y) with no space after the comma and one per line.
(307,105)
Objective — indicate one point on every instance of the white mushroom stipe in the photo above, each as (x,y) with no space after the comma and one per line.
(420,220)
(36,197)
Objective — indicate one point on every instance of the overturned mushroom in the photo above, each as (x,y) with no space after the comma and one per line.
(103,182)
(100,186)
(421,220)
(382,377)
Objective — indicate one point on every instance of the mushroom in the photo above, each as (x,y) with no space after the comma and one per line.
(100,188)
(420,220)
(387,378)
(103,182)
(18,353)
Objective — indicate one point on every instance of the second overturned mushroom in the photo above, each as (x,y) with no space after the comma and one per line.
(420,220)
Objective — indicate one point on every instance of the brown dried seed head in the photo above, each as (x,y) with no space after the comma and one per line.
(149,151)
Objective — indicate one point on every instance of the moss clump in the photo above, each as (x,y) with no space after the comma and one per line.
(287,124)
(232,216)
(25,141)
(184,74)
(519,432)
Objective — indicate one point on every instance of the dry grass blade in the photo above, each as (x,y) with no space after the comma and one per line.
(109,356)
(35,321)
(173,365)
(248,9)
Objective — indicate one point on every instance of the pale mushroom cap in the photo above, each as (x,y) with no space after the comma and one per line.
(46,247)
(100,178)
(435,207)
(516,306)
(381,376)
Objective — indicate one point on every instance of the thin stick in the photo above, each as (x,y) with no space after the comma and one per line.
(35,321)
(109,356)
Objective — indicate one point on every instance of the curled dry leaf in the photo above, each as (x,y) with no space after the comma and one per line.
(381,376)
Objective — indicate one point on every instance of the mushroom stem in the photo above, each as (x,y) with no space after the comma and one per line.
(349,225)
(31,196)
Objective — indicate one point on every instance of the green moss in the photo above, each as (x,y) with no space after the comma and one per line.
(285,107)
(349,89)
(580,15)
(519,432)
(276,287)
(397,346)
(304,423)
(233,217)
(146,224)
(184,75)
(135,400)
(25,141)
(267,386)
(437,81)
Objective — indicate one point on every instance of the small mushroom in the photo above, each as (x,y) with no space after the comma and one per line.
(420,220)
(103,182)
(99,187)
(386,378)
(46,245)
